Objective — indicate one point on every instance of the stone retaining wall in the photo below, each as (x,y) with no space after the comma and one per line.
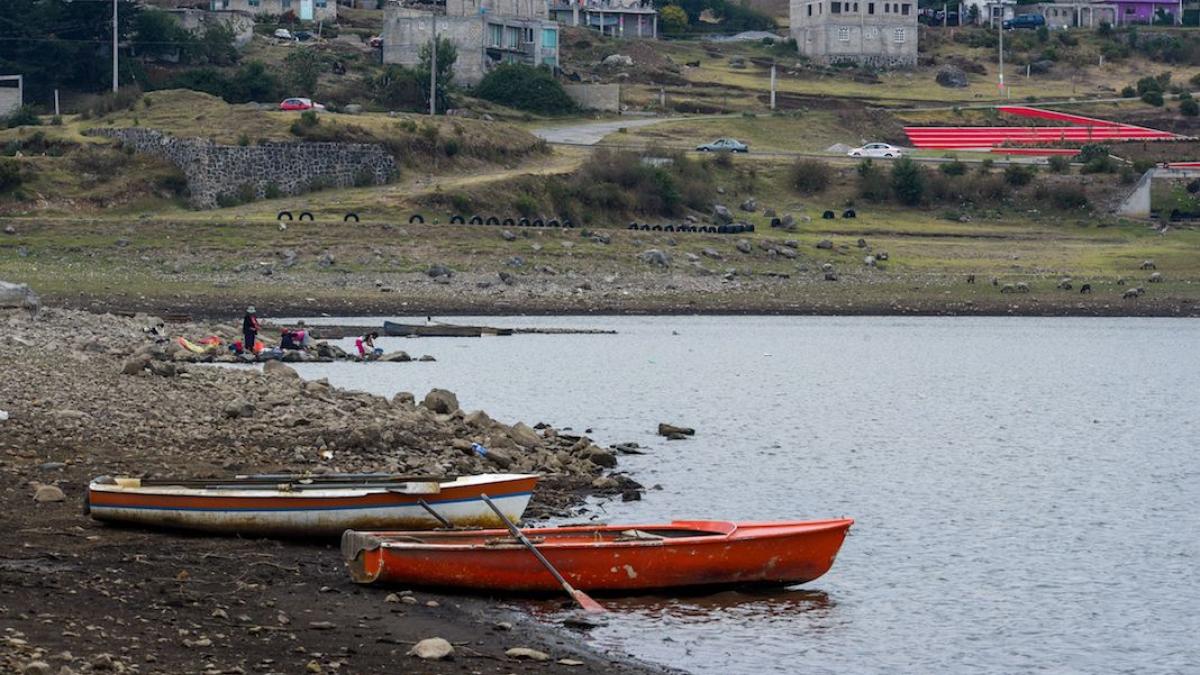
(605,97)
(216,171)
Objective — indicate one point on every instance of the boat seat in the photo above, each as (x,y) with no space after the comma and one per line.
(638,535)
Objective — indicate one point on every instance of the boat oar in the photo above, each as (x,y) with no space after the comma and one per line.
(581,598)
(441,519)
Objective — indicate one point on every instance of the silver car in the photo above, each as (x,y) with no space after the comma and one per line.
(724,145)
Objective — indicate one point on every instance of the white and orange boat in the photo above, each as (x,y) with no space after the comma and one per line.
(610,558)
(288,505)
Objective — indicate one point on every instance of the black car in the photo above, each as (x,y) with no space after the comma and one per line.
(1025,21)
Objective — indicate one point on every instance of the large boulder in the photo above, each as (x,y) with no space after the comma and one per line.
(615,60)
(722,214)
(656,258)
(523,435)
(441,401)
(952,76)
(18,296)
(397,357)
(665,429)
(279,369)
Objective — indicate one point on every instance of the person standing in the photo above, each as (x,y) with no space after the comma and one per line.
(249,329)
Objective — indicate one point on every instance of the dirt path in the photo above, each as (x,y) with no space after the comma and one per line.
(591,133)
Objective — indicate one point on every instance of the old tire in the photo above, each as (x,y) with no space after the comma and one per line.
(416,218)
(350,216)
(284,215)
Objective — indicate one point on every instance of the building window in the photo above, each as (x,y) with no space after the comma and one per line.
(904,9)
(321,3)
(495,35)
(255,3)
(549,38)
(835,8)
(870,8)
(810,9)
(843,34)
(900,37)
(285,5)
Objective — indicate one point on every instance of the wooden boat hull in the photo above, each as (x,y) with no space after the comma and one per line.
(597,559)
(322,512)
(393,329)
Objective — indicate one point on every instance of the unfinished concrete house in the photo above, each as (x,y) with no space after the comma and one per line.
(614,18)
(485,33)
(864,32)
(305,10)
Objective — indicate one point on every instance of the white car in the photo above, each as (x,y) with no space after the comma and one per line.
(876,150)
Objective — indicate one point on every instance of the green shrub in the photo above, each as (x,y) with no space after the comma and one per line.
(1059,163)
(810,176)
(986,165)
(525,88)
(243,140)
(1188,107)
(56,121)
(364,177)
(953,168)
(272,191)
(872,184)
(1066,197)
(1128,92)
(908,181)
(10,175)
(525,205)
(451,147)
(1018,175)
(1154,98)
(398,88)
(22,117)
(174,182)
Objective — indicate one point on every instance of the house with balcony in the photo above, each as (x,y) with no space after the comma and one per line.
(614,18)
(863,32)
(486,33)
(305,10)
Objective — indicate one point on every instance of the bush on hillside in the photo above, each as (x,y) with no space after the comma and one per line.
(953,168)
(1059,163)
(22,117)
(398,88)
(1189,108)
(1018,175)
(1154,98)
(525,88)
(872,184)
(810,176)
(10,175)
(908,181)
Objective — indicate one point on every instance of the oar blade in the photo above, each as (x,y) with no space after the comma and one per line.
(586,603)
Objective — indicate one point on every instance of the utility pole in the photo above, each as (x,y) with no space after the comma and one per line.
(433,67)
(1001,31)
(772,86)
(114,46)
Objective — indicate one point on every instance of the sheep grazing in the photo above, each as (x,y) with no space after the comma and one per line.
(1022,287)
(1156,278)
(970,278)
(1085,288)
(1148,265)
(1132,293)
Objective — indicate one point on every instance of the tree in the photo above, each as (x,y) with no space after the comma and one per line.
(301,70)
(673,19)
(446,56)
(525,88)
(1189,108)
(253,82)
(908,181)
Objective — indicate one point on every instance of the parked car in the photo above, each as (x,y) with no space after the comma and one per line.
(1024,21)
(300,104)
(876,150)
(724,145)
(284,34)
(304,36)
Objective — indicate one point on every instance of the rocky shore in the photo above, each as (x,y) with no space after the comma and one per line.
(88,394)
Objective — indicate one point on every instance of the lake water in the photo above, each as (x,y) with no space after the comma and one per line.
(1025,489)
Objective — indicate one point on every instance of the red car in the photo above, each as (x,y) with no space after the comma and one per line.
(300,104)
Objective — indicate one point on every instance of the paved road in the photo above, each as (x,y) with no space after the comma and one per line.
(591,133)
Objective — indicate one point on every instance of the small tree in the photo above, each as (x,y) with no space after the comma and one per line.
(22,117)
(252,82)
(673,19)
(10,175)
(1017,175)
(810,176)
(447,54)
(908,181)
(399,88)
(872,184)
(301,70)
(1189,108)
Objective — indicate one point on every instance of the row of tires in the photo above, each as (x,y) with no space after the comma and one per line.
(418,219)
(710,229)
(307,215)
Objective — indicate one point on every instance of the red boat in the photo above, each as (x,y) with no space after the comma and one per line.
(610,558)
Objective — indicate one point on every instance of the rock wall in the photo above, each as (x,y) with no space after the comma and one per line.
(223,173)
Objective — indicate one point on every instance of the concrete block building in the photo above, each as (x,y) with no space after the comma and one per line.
(615,18)
(485,33)
(12,94)
(305,10)
(864,32)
